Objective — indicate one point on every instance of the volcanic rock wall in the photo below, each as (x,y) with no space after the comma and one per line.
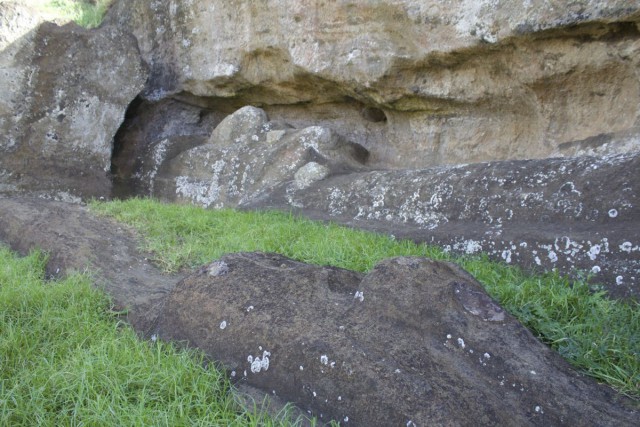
(345,92)
(417,83)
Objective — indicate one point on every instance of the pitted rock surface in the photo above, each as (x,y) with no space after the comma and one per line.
(579,213)
(245,158)
(63,95)
(413,341)
(418,83)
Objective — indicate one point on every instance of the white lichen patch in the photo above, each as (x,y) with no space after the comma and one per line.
(217,268)
(628,247)
(259,364)
(310,173)
(594,251)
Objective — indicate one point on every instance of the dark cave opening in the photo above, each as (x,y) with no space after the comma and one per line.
(122,153)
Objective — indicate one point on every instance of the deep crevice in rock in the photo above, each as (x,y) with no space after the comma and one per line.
(151,133)
(121,150)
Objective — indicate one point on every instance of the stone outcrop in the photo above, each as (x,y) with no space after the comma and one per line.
(413,342)
(579,213)
(244,159)
(63,95)
(417,83)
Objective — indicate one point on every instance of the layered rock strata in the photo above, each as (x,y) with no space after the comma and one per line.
(416,83)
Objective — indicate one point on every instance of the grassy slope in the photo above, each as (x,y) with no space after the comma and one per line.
(597,335)
(65,360)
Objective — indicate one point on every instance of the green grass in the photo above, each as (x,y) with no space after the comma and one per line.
(65,360)
(598,335)
(82,12)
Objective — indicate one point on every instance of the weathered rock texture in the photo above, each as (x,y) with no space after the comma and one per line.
(414,342)
(63,94)
(245,158)
(573,213)
(418,83)
(577,213)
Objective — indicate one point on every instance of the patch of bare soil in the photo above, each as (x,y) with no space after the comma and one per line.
(77,240)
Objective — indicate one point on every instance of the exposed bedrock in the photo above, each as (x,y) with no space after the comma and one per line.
(565,213)
(244,159)
(577,213)
(63,94)
(414,342)
(417,83)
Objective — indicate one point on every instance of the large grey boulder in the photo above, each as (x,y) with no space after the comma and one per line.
(63,95)
(418,83)
(580,213)
(245,158)
(414,342)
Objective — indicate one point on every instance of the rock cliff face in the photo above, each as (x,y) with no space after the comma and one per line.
(364,112)
(249,103)
(418,83)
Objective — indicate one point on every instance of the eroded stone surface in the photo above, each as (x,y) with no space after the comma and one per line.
(63,94)
(414,341)
(418,83)
(554,213)
(76,240)
(246,157)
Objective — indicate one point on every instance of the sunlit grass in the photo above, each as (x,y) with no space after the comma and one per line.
(598,335)
(65,360)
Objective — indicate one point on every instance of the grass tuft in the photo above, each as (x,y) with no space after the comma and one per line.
(597,335)
(66,360)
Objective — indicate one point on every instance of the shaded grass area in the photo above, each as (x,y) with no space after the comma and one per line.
(599,336)
(86,13)
(65,360)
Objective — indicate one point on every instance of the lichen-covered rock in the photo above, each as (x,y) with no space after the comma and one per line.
(413,342)
(310,173)
(63,95)
(418,83)
(581,213)
(246,157)
(151,134)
